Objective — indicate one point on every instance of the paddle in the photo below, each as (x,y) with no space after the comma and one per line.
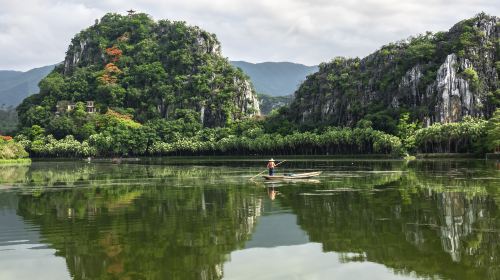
(266,169)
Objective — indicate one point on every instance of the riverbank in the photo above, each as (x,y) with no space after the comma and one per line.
(253,158)
(19,161)
(450,156)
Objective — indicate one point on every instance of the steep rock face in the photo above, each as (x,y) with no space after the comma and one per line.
(409,85)
(456,95)
(151,68)
(438,77)
(244,101)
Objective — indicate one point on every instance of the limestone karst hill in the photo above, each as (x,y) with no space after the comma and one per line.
(439,77)
(150,69)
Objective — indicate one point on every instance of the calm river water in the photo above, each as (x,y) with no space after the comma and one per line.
(201,219)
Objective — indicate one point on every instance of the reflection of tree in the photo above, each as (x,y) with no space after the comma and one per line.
(12,173)
(107,233)
(411,228)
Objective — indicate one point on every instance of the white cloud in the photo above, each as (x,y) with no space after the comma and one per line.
(37,32)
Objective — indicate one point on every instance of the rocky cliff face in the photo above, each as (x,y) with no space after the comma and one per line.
(438,77)
(154,69)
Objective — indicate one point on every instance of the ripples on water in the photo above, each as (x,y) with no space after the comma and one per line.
(202,219)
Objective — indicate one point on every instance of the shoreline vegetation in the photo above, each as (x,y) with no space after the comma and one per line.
(17,161)
(121,136)
(12,152)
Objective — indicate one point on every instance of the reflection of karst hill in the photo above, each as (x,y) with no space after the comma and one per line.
(107,232)
(428,232)
(458,216)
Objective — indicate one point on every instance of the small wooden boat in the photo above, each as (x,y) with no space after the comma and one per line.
(293,176)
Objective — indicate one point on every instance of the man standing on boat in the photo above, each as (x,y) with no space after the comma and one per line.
(271,165)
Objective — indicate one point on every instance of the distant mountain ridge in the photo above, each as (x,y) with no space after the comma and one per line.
(17,85)
(276,78)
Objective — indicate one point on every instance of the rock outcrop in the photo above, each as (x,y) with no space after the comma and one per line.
(456,95)
(438,77)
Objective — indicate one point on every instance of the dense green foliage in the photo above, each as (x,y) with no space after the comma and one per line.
(493,133)
(466,136)
(255,142)
(406,132)
(149,69)
(185,137)
(402,78)
(115,134)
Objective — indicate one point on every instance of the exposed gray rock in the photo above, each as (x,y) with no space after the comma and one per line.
(455,92)
(410,83)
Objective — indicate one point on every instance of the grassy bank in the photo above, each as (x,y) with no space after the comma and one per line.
(20,161)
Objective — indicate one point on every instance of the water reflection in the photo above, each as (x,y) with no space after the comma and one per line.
(360,220)
(143,233)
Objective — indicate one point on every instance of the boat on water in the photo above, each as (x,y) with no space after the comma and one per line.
(297,176)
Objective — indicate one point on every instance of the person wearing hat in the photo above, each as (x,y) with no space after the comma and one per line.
(271,165)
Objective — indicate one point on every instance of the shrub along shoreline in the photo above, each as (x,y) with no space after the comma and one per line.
(12,152)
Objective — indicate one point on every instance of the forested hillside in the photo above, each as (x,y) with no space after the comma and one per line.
(435,77)
(148,69)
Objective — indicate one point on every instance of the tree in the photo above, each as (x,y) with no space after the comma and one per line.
(406,132)
(61,126)
(493,132)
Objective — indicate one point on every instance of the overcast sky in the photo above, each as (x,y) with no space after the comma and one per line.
(35,33)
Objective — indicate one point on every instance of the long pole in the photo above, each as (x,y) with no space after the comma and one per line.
(266,169)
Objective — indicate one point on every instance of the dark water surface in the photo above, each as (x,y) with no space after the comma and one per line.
(196,219)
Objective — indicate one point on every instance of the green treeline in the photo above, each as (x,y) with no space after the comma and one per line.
(120,135)
(332,141)
(462,137)
(472,135)
(116,137)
